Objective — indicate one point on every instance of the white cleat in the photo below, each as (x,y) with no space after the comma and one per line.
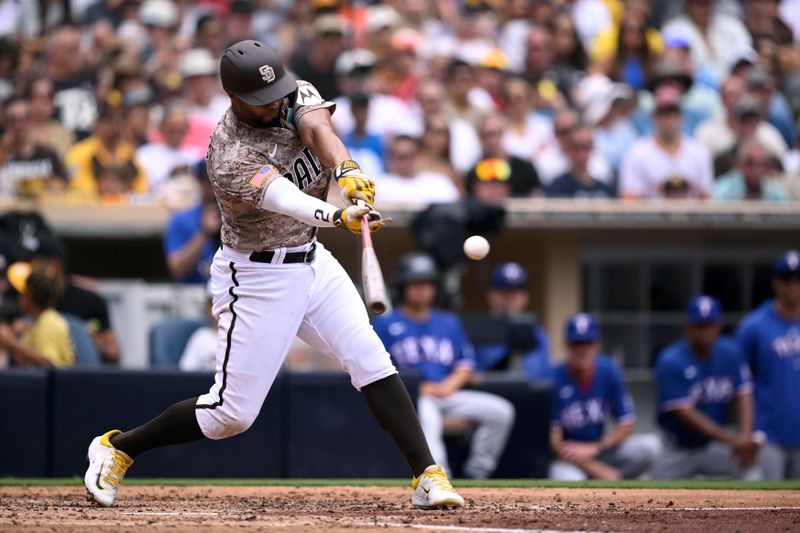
(432,490)
(107,467)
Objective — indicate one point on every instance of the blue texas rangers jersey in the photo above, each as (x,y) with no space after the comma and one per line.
(709,385)
(434,347)
(581,410)
(771,346)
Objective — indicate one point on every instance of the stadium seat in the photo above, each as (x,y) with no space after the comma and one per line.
(168,339)
(86,354)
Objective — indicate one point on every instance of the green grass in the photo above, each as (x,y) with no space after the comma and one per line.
(517,483)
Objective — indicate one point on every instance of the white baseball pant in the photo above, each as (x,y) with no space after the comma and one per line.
(493,416)
(779,463)
(633,457)
(715,459)
(260,307)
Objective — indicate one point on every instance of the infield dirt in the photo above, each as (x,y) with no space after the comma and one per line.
(296,509)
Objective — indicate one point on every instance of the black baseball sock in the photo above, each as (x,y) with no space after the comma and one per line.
(177,424)
(391,406)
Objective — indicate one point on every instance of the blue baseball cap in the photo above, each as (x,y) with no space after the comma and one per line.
(788,263)
(703,309)
(509,276)
(582,327)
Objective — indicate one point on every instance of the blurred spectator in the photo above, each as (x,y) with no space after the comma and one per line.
(666,157)
(137,102)
(400,75)
(315,62)
(27,169)
(761,18)
(490,74)
(539,60)
(628,52)
(591,18)
(240,21)
(761,85)
(387,115)
(578,182)
(699,378)
(404,184)
(499,175)
(46,130)
(433,343)
(527,131)
(527,345)
(74,94)
(553,161)
(105,164)
(162,160)
(715,37)
(464,143)
(606,107)
(697,106)
(570,59)
(436,147)
(46,342)
(468,102)
(770,339)
(743,120)
(202,96)
(193,236)
(750,179)
(365,147)
(78,299)
(588,391)
(210,34)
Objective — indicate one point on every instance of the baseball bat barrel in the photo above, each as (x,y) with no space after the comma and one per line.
(371,275)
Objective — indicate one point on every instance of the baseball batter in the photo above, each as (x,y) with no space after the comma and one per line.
(270,162)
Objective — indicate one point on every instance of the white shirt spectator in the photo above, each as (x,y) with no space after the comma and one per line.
(647,166)
(159,162)
(727,37)
(424,188)
(388,115)
(200,351)
(465,146)
(717,136)
(527,144)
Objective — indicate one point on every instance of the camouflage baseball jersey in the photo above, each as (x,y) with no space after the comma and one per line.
(243,160)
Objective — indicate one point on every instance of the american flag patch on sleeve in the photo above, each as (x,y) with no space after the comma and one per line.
(260,178)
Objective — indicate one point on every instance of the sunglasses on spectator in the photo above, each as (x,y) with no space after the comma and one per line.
(581,146)
(565,130)
(789,276)
(14,118)
(403,155)
(667,110)
(438,131)
(756,161)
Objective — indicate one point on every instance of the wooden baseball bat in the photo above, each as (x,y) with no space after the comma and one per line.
(371,275)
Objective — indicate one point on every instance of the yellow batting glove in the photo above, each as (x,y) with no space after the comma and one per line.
(350,218)
(353,183)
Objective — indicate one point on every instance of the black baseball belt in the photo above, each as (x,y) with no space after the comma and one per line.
(266,256)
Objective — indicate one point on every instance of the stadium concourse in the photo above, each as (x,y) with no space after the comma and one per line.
(299,507)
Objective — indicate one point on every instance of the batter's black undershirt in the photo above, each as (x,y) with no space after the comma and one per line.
(391,406)
(176,425)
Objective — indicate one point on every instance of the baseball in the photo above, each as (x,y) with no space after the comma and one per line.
(476,247)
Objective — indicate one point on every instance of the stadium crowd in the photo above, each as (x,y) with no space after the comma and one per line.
(111,102)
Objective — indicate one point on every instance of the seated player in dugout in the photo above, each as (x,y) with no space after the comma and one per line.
(526,345)
(46,342)
(588,390)
(699,378)
(271,161)
(433,343)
